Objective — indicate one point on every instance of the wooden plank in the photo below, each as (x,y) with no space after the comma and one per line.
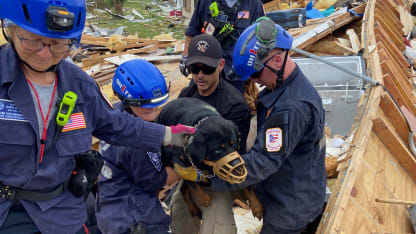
(397,39)
(399,80)
(392,141)
(324,29)
(355,42)
(100,59)
(127,57)
(390,13)
(391,48)
(387,79)
(399,69)
(272,6)
(393,114)
(133,45)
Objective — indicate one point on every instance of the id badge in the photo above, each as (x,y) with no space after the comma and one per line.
(210,29)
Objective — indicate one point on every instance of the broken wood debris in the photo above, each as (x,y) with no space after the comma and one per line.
(100,56)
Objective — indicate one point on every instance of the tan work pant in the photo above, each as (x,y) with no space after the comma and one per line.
(216,219)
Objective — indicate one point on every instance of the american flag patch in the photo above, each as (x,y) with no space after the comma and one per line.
(76,121)
(243,15)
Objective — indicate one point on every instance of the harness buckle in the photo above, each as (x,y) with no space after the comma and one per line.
(7,192)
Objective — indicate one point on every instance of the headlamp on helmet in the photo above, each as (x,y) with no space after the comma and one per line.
(59,19)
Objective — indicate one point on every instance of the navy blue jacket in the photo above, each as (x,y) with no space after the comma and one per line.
(20,141)
(128,184)
(287,162)
(201,14)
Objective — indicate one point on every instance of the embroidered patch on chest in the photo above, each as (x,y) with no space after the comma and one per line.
(156,160)
(9,111)
(274,139)
(76,121)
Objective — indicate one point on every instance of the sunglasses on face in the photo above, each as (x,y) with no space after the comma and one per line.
(207,70)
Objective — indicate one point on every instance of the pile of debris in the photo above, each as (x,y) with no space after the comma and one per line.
(100,56)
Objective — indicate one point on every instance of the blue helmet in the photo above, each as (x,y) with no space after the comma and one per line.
(139,83)
(62,19)
(255,43)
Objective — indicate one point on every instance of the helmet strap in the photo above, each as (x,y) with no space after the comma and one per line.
(279,73)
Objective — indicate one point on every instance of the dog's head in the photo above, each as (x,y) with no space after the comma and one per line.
(214,147)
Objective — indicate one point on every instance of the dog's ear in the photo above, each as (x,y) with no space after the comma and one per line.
(197,148)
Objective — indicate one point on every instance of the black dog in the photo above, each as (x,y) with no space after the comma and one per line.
(215,138)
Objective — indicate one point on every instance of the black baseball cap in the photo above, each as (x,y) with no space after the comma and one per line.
(204,49)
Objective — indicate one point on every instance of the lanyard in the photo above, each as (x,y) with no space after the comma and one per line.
(45,120)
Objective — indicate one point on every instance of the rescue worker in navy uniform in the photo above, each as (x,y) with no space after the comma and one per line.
(205,63)
(131,177)
(37,149)
(287,162)
(225,20)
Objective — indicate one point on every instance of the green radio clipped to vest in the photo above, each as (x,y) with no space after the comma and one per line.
(66,107)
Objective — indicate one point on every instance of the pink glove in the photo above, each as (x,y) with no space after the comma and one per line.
(175,135)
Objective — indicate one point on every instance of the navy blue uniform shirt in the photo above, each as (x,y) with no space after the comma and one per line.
(20,140)
(287,162)
(248,12)
(128,187)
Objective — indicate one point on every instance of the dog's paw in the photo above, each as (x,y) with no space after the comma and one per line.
(257,210)
(204,199)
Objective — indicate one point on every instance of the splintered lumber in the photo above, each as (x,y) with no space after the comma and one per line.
(380,163)
(100,59)
(272,6)
(326,28)
(118,60)
(355,42)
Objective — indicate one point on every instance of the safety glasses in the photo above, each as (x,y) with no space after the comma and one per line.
(207,70)
(36,45)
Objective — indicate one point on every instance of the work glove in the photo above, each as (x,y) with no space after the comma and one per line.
(183,65)
(189,173)
(175,135)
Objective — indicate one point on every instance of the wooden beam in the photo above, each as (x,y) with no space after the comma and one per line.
(397,39)
(398,149)
(100,59)
(383,37)
(272,6)
(355,42)
(393,114)
(326,28)
(398,79)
